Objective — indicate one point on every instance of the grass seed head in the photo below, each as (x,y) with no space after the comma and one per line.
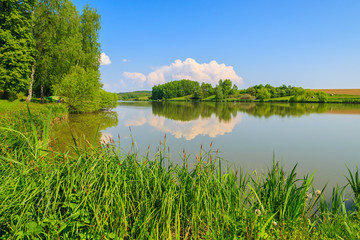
(308,196)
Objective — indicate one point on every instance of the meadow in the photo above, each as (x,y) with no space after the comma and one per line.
(99,191)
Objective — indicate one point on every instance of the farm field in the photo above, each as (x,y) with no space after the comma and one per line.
(339,91)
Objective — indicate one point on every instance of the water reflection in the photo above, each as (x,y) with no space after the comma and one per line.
(188,111)
(84,127)
(210,126)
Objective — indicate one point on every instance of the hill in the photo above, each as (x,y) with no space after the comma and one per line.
(136,95)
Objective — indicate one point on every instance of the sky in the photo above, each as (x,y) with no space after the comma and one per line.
(307,43)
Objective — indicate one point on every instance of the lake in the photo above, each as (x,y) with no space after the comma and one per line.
(319,137)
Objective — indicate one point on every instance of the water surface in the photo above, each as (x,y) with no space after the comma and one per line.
(319,137)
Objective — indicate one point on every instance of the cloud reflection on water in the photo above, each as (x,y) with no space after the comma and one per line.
(210,126)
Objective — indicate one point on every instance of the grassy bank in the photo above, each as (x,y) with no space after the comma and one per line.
(15,115)
(105,193)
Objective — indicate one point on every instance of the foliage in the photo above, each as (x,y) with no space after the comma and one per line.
(107,99)
(174,89)
(219,93)
(16,46)
(262,94)
(49,42)
(80,90)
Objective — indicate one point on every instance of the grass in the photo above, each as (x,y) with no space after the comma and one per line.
(108,193)
(138,95)
(184,98)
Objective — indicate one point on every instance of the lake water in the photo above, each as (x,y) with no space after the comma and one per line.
(319,137)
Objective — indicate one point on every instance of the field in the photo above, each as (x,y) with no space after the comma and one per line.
(136,95)
(339,91)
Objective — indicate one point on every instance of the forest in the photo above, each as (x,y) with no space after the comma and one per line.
(48,48)
(225,89)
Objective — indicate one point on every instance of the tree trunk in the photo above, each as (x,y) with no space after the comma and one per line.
(42,92)
(28,99)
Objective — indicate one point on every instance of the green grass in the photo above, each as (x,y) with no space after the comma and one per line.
(135,95)
(210,98)
(184,98)
(6,105)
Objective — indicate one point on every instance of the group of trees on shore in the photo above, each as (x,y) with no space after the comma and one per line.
(226,89)
(297,93)
(48,48)
(184,87)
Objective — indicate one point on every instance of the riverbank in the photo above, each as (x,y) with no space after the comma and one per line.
(105,192)
(332,98)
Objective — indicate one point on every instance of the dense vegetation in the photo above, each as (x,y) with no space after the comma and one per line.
(101,192)
(226,90)
(47,48)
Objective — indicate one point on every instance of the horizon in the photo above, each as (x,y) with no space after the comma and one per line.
(309,44)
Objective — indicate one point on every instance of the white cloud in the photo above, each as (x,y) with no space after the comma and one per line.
(138,77)
(104,59)
(124,60)
(210,72)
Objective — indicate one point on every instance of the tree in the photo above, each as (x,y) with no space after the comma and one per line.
(198,93)
(226,86)
(58,38)
(207,89)
(90,27)
(251,91)
(81,90)
(16,45)
(262,94)
(322,96)
(219,95)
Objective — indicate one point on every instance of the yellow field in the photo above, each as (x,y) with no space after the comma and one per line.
(340,91)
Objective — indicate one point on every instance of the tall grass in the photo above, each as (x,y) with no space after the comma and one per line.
(105,193)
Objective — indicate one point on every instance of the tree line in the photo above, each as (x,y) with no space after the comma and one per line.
(48,48)
(184,87)
(226,89)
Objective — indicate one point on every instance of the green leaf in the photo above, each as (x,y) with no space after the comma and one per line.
(33,227)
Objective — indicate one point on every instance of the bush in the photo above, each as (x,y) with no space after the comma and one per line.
(247,97)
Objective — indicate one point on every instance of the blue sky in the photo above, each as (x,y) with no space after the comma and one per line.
(313,44)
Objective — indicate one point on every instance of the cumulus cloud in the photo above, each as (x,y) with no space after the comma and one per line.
(138,77)
(104,59)
(210,72)
(124,60)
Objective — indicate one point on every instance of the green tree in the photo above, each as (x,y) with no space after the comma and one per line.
(219,94)
(16,45)
(322,96)
(198,94)
(262,94)
(90,27)
(251,91)
(58,37)
(81,90)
